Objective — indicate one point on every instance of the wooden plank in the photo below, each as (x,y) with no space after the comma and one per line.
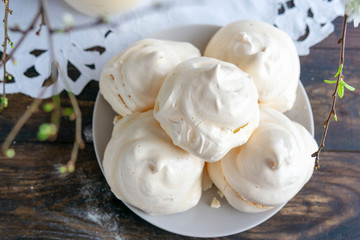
(18,103)
(36,202)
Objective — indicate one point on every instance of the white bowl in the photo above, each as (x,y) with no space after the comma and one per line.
(202,220)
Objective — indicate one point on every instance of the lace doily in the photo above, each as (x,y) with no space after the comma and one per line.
(306,21)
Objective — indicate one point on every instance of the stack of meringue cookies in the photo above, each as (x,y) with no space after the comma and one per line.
(184,116)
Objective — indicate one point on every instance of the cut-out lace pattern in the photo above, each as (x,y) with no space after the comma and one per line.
(84,52)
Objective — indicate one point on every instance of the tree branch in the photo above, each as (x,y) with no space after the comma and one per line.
(332,111)
(3,103)
(79,142)
(25,33)
(19,124)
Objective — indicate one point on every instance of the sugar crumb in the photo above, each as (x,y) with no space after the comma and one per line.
(215,203)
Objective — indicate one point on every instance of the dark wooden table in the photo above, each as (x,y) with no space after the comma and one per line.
(36,202)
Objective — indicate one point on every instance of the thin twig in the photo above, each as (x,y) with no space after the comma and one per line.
(42,23)
(74,153)
(43,13)
(55,115)
(79,142)
(25,33)
(3,59)
(36,103)
(99,21)
(39,14)
(20,123)
(332,111)
(78,118)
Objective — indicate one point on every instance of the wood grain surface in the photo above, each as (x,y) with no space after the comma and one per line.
(37,203)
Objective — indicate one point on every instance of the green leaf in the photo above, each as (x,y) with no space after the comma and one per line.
(48,107)
(341,90)
(68,111)
(339,70)
(335,117)
(62,169)
(4,102)
(10,153)
(42,136)
(45,131)
(330,81)
(349,87)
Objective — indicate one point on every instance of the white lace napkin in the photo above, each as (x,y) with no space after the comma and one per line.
(306,21)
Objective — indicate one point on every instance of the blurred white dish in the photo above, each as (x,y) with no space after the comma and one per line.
(202,220)
(95,8)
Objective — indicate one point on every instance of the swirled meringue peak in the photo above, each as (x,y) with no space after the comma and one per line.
(207,107)
(131,80)
(266,53)
(270,168)
(144,168)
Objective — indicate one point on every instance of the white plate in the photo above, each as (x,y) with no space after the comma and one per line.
(202,220)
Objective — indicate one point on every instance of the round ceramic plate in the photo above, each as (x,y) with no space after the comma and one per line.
(202,220)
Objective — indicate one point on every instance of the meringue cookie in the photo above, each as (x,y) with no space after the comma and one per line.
(270,168)
(144,168)
(266,53)
(96,8)
(207,107)
(130,81)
